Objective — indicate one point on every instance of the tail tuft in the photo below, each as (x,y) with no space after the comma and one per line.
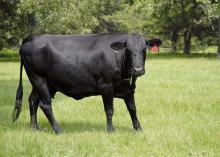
(17,110)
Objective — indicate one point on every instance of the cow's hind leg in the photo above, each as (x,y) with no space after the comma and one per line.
(109,110)
(130,103)
(46,107)
(43,91)
(33,105)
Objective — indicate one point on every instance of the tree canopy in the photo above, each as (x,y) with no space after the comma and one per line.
(180,23)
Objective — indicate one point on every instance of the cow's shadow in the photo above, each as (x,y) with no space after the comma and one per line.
(66,127)
(82,126)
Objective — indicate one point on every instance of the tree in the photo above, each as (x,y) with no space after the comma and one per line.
(218,51)
(9,22)
(214,12)
(184,18)
(169,21)
(62,17)
(108,8)
(218,13)
(134,16)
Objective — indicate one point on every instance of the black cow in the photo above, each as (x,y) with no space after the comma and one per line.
(81,66)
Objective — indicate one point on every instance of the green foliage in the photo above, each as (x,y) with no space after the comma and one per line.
(62,17)
(134,18)
(11,23)
(167,19)
(107,9)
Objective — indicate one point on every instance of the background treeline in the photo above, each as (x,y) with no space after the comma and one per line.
(181,24)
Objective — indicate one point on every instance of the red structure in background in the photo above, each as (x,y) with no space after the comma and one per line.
(154,44)
(155,48)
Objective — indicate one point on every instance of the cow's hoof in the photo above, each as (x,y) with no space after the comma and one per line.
(110,130)
(139,129)
(57,131)
(35,128)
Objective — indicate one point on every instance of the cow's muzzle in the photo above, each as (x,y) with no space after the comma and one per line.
(138,71)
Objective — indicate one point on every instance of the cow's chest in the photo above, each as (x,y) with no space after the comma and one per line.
(123,89)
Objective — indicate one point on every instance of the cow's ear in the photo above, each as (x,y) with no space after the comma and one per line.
(118,45)
(153,42)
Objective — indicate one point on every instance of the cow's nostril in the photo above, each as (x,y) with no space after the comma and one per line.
(138,69)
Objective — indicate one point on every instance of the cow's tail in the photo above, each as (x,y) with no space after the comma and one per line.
(19,95)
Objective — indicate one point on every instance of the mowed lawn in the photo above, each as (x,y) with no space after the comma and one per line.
(178,104)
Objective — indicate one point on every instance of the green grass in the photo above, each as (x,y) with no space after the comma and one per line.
(178,103)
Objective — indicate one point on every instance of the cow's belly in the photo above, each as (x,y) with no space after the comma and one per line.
(76,90)
(71,81)
(79,93)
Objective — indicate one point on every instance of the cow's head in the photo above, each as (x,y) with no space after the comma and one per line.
(134,47)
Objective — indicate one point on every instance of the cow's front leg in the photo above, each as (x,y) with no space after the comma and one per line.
(130,103)
(107,98)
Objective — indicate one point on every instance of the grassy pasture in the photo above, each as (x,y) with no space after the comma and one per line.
(178,103)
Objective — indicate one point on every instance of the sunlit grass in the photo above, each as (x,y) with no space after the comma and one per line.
(178,103)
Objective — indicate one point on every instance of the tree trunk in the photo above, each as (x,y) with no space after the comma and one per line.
(218,52)
(174,38)
(187,42)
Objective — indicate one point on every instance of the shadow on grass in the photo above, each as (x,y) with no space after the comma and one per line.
(87,126)
(80,126)
(72,126)
(66,127)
